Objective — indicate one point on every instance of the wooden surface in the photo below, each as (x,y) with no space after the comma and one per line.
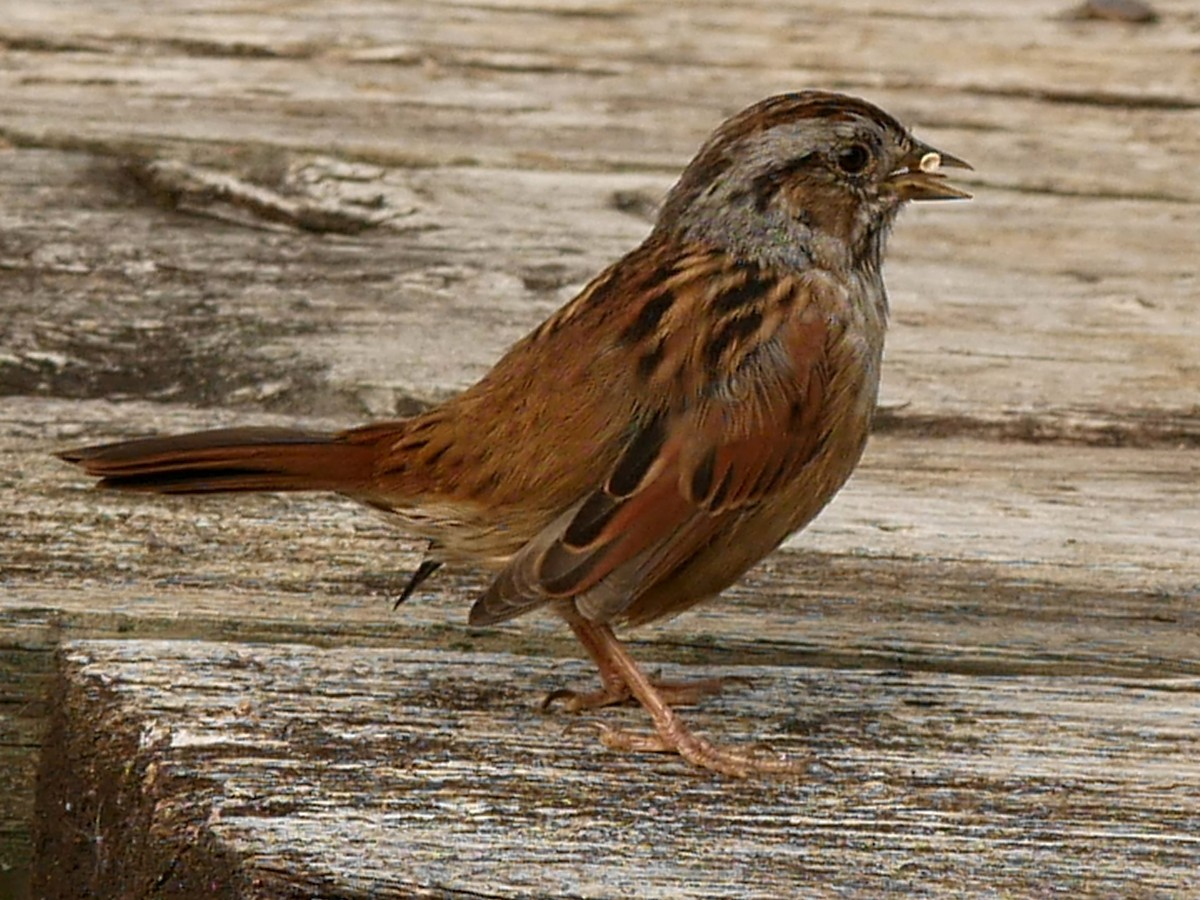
(989,646)
(409,781)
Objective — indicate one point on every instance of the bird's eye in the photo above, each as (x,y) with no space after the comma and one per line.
(853,160)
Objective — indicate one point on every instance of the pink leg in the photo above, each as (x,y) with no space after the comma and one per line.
(613,690)
(622,677)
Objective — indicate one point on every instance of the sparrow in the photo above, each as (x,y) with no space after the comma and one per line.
(700,400)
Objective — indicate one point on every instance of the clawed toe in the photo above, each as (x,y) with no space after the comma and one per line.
(687,693)
(578,701)
(700,752)
(623,679)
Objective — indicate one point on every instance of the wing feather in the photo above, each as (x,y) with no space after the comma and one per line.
(687,469)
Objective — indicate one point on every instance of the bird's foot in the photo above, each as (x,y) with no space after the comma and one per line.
(621,678)
(700,752)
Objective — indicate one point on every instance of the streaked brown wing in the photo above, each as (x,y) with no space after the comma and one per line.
(686,470)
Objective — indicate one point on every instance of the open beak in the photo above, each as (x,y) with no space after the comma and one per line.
(919,176)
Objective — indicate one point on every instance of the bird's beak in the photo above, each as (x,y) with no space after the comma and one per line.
(919,176)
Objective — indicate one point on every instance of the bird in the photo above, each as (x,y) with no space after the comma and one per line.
(700,400)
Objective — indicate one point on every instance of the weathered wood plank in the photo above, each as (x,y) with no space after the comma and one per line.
(923,782)
(1081,354)
(1095,315)
(511,149)
(927,565)
(1093,539)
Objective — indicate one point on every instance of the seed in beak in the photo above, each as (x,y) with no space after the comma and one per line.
(930,162)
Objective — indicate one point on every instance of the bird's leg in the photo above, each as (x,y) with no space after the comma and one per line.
(612,687)
(672,735)
(613,690)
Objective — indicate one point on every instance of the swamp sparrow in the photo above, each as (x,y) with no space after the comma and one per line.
(700,400)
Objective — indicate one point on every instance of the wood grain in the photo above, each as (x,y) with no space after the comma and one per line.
(267,213)
(405,784)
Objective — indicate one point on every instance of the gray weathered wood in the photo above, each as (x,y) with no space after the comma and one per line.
(396,773)
(181,195)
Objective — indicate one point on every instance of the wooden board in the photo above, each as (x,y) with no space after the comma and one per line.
(214,214)
(240,770)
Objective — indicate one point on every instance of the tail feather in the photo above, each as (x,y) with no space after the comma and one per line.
(234,459)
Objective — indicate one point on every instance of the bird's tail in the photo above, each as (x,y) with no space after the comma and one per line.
(233,459)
